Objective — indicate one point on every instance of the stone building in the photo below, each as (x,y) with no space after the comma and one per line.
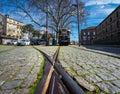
(88,35)
(108,31)
(11,29)
(1,26)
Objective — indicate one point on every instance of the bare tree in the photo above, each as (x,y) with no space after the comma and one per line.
(59,12)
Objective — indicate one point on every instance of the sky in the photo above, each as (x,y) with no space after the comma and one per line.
(98,10)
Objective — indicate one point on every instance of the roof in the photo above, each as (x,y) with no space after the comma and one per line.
(92,27)
(89,28)
(12,18)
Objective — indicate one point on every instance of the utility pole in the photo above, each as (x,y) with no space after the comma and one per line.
(46,22)
(78,17)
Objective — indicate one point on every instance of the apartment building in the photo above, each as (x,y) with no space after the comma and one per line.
(1,27)
(11,29)
(108,31)
(88,35)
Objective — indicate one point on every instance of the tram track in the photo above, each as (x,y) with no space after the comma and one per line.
(55,80)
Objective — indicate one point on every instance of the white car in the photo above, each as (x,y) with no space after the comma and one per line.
(27,42)
(14,42)
(23,42)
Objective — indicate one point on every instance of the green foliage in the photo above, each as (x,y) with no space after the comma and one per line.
(38,77)
(28,27)
(72,69)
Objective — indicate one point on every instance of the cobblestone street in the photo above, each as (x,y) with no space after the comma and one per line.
(19,69)
(96,72)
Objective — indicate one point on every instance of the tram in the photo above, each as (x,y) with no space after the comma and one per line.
(64,37)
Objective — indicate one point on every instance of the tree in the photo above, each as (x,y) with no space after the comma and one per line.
(27,28)
(59,12)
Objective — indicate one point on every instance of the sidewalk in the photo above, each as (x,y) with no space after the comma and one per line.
(109,51)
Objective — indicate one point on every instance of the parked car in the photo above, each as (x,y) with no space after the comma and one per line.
(12,42)
(23,42)
(9,43)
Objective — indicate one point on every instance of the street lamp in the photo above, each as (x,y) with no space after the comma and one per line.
(78,19)
(46,23)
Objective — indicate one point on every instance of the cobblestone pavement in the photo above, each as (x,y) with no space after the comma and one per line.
(49,50)
(99,74)
(19,70)
(4,48)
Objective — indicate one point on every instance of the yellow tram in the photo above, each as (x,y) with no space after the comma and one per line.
(64,36)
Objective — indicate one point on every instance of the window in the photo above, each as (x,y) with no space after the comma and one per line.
(106,22)
(88,33)
(118,24)
(17,27)
(106,30)
(117,14)
(93,33)
(111,27)
(84,33)
(118,34)
(111,36)
(110,19)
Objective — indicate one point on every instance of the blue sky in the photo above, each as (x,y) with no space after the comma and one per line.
(98,10)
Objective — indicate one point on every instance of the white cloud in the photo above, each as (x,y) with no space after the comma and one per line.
(21,13)
(102,2)
(107,11)
(102,6)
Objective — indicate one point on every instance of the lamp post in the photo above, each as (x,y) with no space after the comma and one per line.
(46,23)
(78,19)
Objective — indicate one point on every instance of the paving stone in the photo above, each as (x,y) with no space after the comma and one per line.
(20,76)
(117,83)
(81,72)
(102,70)
(23,91)
(108,87)
(35,70)
(77,67)
(93,78)
(85,66)
(25,70)
(7,91)
(71,73)
(84,83)
(67,69)
(5,76)
(114,70)
(64,64)
(12,84)
(107,76)
(1,72)
(117,74)
(30,80)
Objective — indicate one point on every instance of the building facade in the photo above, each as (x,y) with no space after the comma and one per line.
(88,35)
(11,29)
(1,27)
(108,31)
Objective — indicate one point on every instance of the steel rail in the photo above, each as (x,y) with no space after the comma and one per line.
(72,86)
